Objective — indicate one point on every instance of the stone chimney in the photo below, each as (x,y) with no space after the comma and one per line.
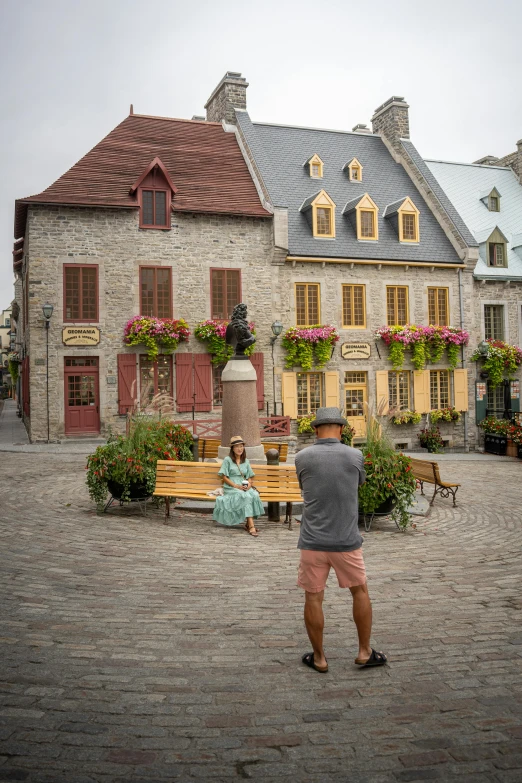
(360,128)
(391,119)
(229,94)
(487,160)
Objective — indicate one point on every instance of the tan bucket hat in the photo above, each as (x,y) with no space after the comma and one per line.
(235,440)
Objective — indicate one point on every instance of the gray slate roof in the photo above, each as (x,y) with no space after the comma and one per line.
(465,184)
(281,151)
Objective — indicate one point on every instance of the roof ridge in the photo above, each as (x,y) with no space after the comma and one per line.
(319,130)
(461,163)
(172,119)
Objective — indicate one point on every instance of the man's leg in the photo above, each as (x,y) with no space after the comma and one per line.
(314,622)
(362,615)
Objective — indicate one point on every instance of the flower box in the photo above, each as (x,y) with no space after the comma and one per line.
(495,444)
(511,450)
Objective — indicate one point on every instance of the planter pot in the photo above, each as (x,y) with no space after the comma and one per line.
(138,490)
(495,444)
(519,451)
(511,449)
(386,506)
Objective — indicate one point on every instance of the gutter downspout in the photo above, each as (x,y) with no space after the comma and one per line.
(462,359)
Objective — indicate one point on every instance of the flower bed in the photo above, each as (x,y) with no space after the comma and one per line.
(406,417)
(445,414)
(494,426)
(501,359)
(156,334)
(306,346)
(212,333)
(426,343)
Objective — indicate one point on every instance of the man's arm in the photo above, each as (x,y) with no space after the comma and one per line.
(362,472)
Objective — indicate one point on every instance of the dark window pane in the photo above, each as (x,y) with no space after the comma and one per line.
(232,291)
(163,293)
(88,294)
(147,292)
(72,293)
(148,208)
(161,208)
(218,294)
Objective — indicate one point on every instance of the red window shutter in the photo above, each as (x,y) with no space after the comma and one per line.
(184,382)
(257,360)
(127,382)
(203,381)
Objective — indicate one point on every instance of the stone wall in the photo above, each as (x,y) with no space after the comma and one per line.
(111,239)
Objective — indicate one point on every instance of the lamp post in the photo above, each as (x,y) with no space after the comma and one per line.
(47,310)
(277,328)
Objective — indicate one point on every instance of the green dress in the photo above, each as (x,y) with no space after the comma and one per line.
(235,505)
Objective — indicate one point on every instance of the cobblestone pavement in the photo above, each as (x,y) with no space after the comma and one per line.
(134,651)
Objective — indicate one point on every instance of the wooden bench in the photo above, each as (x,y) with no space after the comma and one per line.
(428,473)
(208,449)
(194,480)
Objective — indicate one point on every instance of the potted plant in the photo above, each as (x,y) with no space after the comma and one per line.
(495,434)
(304,428)
(390,485)
(158,334)
(405,417)
(306,346)
(426,344)
(126,466)
(430,439)
(516,436)
(500,359)
(212,333)
(445,414)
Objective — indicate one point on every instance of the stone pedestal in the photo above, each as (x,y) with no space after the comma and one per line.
(239,413)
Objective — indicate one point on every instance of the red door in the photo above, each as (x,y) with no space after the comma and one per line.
(82,403)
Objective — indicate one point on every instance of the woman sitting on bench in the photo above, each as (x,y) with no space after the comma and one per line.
(239,502)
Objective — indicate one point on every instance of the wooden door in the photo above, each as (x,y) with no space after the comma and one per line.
(356,396)
(82,396)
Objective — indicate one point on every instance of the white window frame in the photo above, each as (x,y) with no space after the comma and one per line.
(502,302)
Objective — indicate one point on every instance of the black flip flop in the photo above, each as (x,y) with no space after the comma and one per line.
(375,659)
(308,660)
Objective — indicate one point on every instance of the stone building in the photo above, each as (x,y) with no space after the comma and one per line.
(366,242)
(161,218)
(488,196)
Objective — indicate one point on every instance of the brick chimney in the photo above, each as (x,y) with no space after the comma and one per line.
(391,119)
(229,94)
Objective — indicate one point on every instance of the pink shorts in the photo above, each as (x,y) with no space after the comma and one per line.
(314,568)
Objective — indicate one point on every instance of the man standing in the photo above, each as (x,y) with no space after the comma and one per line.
(329,475)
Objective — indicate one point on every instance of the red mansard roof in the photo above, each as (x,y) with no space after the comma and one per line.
(204,163)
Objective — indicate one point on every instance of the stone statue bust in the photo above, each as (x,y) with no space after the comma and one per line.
(238,335)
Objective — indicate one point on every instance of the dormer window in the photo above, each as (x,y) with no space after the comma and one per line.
(354,170)
(315,167)
(491,199)
(154,191)
(322,210)
(497,249)
(363,213)
(404,217)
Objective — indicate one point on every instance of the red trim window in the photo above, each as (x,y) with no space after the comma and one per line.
(225,292)
(156,291)
(154,196)
(80,293)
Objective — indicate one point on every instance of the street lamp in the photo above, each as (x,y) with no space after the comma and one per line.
(483,348)
(277,328)
(47,310)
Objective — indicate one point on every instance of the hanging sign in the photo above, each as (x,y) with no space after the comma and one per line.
(355,350)
(81,335)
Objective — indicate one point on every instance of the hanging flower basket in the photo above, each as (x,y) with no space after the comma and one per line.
(304,346)
(500,360)
(445,414)
(212,333)
(426,343)
(158,334)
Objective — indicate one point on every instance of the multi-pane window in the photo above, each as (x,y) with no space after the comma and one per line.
(438,306)
(397,305)
(80,293)
(355,386)
(399,390)
(154,208)
(156,291)
(496,400)
(316,170)
(217,384)
(497,254)
(307,309)
(439,389)
(155,377)
(367,224)
(226,292)
(355,172)
(494,204)
(409,226)
(309,392)
(494,322)
(324,221)
(353,306)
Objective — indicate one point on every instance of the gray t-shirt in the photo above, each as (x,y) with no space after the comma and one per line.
(329,475)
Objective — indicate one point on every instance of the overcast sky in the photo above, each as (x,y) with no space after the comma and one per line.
(70,69)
